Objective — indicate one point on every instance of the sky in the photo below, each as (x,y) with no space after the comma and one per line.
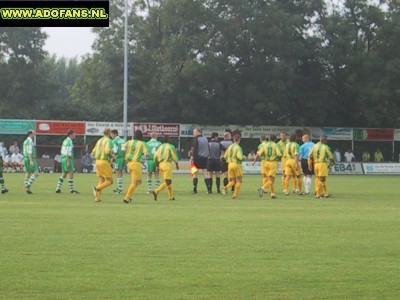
(69,41)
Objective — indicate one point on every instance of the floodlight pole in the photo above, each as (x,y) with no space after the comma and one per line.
(126,72)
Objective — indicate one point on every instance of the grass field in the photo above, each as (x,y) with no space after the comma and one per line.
(62,246)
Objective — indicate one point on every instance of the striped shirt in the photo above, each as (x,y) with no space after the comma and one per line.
(67,148)
(29,148)
(234,154)
(320,153)
(134,150)
(270,151)
(102,150)
(292,150)
(166,153)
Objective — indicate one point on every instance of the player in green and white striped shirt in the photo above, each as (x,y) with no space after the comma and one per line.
(30,162)
(67,163)
(119,159)
(152,147)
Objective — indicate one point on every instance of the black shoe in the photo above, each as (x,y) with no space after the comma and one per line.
(74,192)
(194,192)
(58,191)
(209,192)
(28,191)
(127,201)
(154,195)
(172,199)
(219,192)
(4,191)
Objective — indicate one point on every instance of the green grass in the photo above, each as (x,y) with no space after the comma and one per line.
(62,246)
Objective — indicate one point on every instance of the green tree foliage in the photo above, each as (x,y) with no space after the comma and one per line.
(296,62)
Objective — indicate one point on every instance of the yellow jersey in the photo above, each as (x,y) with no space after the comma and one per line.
(166,153)
(102,149)
(134,150)
(282,145)
(270,151)
(292,150)
(234,154)
(320,153)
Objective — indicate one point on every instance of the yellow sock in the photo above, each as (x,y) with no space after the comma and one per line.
(161,187)
(169,191)
(283,182)
(264,181)
(272,187)
(130,191)
(103,185)
(238,185)
(300,184)
(267,185)
(230,184)
(286,188)
(319,188)
(294,183)
(325,189)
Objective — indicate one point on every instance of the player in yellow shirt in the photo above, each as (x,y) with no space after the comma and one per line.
(321,158)
(103,155)
(234,157)
(166,154)
(134,151)
(292,168)
(282,145)
(271,152)
(263,141)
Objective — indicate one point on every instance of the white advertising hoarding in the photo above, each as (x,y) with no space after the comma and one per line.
(97,128)
(381,168)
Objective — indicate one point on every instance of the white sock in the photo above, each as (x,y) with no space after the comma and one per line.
(308,184)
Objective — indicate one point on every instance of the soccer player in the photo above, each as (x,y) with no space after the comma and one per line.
(304,152)
(292,167)
(234,157)
(282,145)
(163,158)
(214,163)
(119,159)
(264,177)
(152,146)
(224,165)
(134,151)
(67,163)
(30,162)
(2,182)
(270,152)
(102,153)
(320,158)
(200,153)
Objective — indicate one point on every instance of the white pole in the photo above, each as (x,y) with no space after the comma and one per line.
(126,72)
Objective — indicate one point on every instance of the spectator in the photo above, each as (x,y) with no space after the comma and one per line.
(17,161)
(3,150)
(14,147)
(45,155)
(378,156)
(349,156)
(251,156)
(57,163)
(7,163)
(87,163)
(337,156)
(366,156)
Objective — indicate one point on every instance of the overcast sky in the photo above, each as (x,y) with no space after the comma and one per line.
(69,41)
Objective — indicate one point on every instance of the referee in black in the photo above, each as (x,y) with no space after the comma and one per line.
(200,153)
(214,163)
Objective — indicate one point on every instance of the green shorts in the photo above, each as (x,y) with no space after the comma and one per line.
(151,166)
(65,168)
(1,165)
(119,164)
(29,168)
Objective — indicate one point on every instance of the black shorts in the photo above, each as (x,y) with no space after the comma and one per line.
(304,167)
(214,165)
(224,166)
(200,162)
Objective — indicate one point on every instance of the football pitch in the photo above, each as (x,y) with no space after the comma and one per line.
(62,246)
